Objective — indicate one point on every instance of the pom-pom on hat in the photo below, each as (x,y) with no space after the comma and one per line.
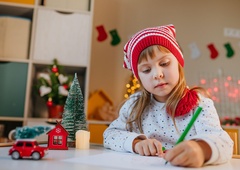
(161,35)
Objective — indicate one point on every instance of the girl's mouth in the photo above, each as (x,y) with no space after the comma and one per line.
(160,85)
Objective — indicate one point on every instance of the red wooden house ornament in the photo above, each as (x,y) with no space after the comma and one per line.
(57,137)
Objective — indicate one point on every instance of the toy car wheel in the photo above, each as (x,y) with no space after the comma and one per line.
(15,155)
(35,155)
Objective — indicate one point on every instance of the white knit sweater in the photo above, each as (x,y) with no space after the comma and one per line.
(156,123)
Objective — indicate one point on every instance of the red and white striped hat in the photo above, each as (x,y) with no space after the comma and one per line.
(161,35)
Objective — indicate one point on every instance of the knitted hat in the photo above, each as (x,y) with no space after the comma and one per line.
(161,35)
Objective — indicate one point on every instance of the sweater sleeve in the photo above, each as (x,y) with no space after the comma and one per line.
(116,136)
(209,129)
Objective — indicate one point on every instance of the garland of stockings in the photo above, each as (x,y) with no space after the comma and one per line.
(195,52)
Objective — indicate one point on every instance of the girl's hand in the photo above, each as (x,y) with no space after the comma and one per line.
(147,147)
(189,154)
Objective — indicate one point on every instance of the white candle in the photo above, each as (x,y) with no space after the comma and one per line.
(82,139)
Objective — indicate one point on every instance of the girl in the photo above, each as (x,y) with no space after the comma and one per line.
(156,116)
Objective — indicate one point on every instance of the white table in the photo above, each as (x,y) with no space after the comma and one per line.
(96,158)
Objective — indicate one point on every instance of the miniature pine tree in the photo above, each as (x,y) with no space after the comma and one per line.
(27,132)
(74,118)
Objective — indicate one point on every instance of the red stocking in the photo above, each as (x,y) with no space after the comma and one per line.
(214,52)
(102,35)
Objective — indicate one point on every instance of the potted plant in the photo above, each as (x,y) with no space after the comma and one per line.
(52,85)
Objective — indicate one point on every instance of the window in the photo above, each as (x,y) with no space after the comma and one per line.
(19,144)
(28,144)
(57,140)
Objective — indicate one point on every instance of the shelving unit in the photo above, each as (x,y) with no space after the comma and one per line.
(234,133)
(29,109)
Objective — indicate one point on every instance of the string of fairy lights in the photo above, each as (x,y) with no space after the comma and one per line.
(224,91)
(132,86)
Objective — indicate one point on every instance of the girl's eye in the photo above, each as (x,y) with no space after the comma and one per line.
(164,63)
(146,70)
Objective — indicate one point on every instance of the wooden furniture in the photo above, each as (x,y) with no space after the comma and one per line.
(97,129)
(55,33)
(234,132)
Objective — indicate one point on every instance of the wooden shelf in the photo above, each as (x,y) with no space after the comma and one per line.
(35,65)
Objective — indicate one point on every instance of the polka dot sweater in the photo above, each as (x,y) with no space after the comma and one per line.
(156,123)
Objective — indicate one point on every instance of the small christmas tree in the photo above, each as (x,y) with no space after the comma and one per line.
(27,132)
(74,118)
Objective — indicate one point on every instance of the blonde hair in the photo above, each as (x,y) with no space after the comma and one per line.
(144,99)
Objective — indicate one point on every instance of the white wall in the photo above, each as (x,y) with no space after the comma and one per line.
(202,22)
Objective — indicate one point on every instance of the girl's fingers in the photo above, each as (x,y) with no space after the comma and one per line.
(158,147)
(149,147)
(172,153)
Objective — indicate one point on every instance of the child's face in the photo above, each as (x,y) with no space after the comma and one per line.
(159,74)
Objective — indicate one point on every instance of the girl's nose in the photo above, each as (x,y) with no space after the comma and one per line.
(158,74)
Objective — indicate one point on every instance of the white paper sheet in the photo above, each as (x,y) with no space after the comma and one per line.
(123,161)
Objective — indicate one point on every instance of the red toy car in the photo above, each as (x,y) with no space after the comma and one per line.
(27,148)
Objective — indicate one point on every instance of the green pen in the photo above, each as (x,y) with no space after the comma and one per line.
(189,126)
